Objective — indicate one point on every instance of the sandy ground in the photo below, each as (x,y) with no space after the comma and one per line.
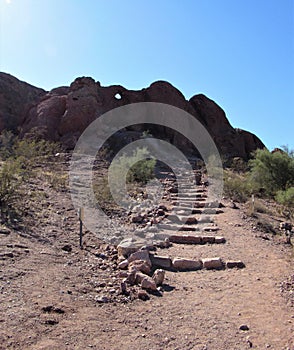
(49,295)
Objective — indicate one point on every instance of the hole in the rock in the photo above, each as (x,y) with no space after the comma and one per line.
(117,96)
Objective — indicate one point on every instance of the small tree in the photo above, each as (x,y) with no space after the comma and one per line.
(272,171)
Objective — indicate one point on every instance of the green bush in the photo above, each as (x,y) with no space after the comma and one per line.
(286,197)
(7,142)
(271,172)
(236,186)
(140,168)
(12,176)
(18,160)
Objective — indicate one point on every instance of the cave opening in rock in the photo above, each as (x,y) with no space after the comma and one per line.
(118,96)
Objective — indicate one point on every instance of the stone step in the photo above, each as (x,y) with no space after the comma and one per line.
(199,239)
(184,210)
(200,203)
(175,227)
(210,228)
(189,192)
(188,209)
(190,220)
(189,201)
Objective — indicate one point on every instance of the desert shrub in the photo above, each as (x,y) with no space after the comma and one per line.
(32,149)
(286,197)
(12,176)
(239,165)
(146,134)
(142,171)
(18,160)
(7,141)
(140,166)
(102,192)
(236,186)
(271,172)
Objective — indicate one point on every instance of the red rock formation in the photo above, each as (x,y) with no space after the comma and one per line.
(63,113)
(16,97)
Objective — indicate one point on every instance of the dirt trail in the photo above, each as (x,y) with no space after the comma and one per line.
(199,310)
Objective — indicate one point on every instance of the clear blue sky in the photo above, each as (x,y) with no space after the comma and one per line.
(239,53)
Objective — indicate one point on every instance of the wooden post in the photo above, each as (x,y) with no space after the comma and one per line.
(253,203)
(81,217)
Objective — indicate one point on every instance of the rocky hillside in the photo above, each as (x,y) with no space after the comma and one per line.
(64,112)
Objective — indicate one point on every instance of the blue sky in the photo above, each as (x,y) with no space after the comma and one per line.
(239,53)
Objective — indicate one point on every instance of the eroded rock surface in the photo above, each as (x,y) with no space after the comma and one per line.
(63,113)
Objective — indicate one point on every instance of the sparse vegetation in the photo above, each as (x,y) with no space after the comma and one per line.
(268,175)
(272,172)
(18,159)
(236,186)
(102,193)
(140,166)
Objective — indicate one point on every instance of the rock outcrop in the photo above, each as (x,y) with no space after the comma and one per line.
(63,113)
(16,99)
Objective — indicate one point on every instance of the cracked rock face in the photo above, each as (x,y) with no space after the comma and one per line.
(63,113)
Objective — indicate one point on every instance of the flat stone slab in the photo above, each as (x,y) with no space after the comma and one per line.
(140,255)
(212,263)
(208,239)
(163,262)
(192,239)
(205,220)
(187,209)
(175,227)
(185,239)
(230,264)
(181,264)
(219,240)
(212,211)
(210,228)
(128,246)
(190,220)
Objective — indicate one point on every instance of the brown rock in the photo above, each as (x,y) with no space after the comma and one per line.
(63,113)
(143,295)
(212,263)
(128,246)
(208,239)
(123,264)
(219,240)
(16,99)
(139,276)
(140,255)
(185,239)
(158,277)
(235,263)
(140,265)
(181,264)
(149,284)
(161,261)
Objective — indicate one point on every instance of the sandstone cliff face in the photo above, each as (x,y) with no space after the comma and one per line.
(16,98)
(62,114)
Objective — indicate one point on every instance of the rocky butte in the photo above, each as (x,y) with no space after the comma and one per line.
(63,113)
